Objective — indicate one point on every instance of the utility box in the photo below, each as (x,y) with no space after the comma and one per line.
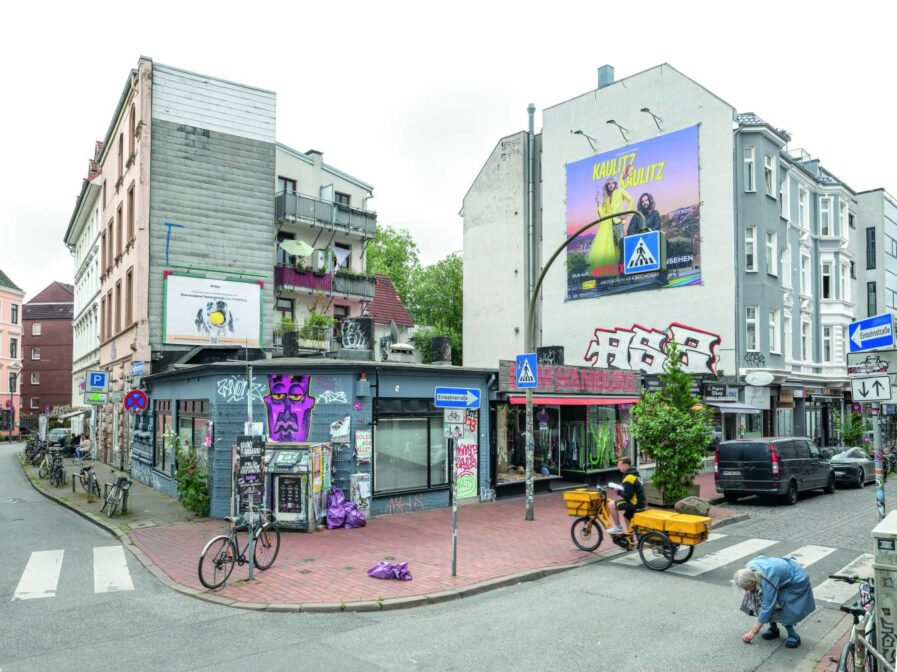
(884,562)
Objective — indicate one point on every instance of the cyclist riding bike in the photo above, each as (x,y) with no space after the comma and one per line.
(632,497)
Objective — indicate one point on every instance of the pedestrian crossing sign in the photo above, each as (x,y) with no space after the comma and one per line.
(642,252)
(527,371)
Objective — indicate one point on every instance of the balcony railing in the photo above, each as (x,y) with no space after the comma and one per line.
(287,278)
(293,207)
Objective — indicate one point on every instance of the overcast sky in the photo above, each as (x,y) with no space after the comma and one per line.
(412,97)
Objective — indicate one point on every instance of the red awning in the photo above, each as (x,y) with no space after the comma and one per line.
(574,401)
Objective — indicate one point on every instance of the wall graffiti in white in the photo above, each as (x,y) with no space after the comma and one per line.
(332,397)
(233,389)
(642,349)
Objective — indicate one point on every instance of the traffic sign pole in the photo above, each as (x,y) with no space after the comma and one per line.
(879,464)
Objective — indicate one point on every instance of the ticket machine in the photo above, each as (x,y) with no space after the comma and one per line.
(288,473)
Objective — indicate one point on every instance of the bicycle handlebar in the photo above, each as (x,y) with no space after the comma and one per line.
(850,578)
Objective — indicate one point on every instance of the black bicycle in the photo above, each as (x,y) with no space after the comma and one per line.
(115,495)
(57,471)
(224,551)
(88,480)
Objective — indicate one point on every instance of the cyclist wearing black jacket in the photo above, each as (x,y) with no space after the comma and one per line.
(632,496)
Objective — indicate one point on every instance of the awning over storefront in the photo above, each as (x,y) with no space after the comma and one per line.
(574,401)
(733,407)
(74,413)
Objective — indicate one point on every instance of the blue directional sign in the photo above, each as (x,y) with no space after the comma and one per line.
(641,252)
(137,368)
(457,397)
(872,333)
(527,371)
(97,381)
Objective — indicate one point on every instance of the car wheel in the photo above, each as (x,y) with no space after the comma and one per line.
(791,494)
(730,497)
(861,478)
(830,485)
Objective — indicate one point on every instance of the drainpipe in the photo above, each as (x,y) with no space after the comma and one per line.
(530,209)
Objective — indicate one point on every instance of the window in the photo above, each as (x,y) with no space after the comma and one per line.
(751,328)
(162,425)
(871,299)
(825,216)
(827,345)
(410,453)
(772,259)
(785,197)
(870,247)
(121,156)
(806,341)
(12,383)
(827,281)
(132,124)
(853,270)
(129,298)
(193,426)
(803,207)
(774,343)
(749,184)
(109,239)
(804,273)
(890,246)
(789,336)
(786,267)
(102,319)
(851,220)
(769,174)
(35,353)
(842,210)
(35,328)
(119,232)
(131,213)
(34,403)
(341,198)
(103,253)
(109,332)
(285,184)
(845,283)
(104,194)
(283,258)
(284,307)
(118,307)
(343,255)
(14,348)
(14,313)
(750,243)
(890,298)
(35,378)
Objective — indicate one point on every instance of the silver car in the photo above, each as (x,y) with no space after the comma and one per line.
(853,466)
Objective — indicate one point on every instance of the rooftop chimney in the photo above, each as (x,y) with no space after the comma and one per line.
(605,76)
(317,156)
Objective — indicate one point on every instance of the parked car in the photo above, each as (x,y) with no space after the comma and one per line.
(58,436)
(782,466)
(853,466)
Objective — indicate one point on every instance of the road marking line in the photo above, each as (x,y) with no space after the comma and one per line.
(715,560)
(41,576)
(838,592)
(807,555)
(633,559)
(110,570)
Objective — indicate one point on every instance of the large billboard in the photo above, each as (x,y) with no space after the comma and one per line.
(659,177)
(204,311)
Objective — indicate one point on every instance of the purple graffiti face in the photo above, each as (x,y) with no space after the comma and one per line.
(289,407)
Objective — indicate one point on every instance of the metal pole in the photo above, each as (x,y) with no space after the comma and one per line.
(528,346)
(879,465)
(454,508)
(250,528)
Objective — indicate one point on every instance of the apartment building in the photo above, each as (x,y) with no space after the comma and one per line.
(11,297)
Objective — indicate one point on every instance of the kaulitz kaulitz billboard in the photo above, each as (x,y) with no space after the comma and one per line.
(659,177)
(204,311)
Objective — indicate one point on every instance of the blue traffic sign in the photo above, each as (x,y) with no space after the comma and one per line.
(527,371)
(872,333)
(641,252)
(457,397)
(97,381)
(137,368)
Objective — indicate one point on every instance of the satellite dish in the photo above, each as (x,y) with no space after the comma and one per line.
(759,378)
(393,331)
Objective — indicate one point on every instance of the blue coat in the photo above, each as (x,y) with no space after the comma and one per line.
(786,584)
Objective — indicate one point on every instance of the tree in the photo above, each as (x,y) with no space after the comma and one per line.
(673,428)
(851,428)
(394,253)
(437,301)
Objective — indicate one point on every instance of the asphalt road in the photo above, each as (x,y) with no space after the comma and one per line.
(605,616)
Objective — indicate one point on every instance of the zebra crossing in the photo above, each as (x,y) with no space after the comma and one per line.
(717,559)
(41,575)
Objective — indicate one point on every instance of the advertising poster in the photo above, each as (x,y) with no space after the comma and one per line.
(658,177)
(363,445)
(466,468)
(203,311)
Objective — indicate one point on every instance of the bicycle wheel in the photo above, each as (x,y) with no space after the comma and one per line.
(586,533)
(96,488)
(44,470)
(112,501)
(656,551)
(682,553)
(217,562)
(267,546)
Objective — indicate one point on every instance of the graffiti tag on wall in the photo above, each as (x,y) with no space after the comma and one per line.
(466,468)
(233,389)
(642,349)
(289,407)
(405,504)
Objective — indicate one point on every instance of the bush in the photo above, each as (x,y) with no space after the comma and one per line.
(316,326)
(191,480)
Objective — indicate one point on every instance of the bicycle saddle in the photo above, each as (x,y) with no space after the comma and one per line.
(855,608)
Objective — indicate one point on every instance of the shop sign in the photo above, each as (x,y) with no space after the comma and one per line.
(786,396)
(719,392)
(653,384)
(573,379)
(250,450)
(799,394)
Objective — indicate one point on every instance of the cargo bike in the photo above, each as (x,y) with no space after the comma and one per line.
(662,537)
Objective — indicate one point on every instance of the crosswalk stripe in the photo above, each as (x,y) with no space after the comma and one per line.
(717,559)
(807,555)
(110,570)
(41,576)
(838,592)
(633,559)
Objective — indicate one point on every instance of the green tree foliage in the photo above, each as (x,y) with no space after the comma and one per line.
(191,480)
(394,253)
(672,427)
(851,428)
(437,301)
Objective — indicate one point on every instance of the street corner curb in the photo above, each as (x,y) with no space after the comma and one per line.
(729,520)
(250,606)
(283,608)
(216,599)
(322,607)
(443,596)
(403,602)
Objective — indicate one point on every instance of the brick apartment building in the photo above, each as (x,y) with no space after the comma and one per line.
(47,351)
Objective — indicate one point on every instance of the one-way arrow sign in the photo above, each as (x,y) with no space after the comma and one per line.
(871,388)
(871,333)
(456,397)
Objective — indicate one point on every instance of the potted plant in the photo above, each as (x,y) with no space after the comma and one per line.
(315,329)
(289,336)
(672,426)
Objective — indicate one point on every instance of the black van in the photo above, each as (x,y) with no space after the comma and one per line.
(771,466)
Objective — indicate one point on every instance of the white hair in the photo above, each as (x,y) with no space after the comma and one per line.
(745,578)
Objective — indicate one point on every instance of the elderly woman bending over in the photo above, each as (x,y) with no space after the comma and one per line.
(784,595)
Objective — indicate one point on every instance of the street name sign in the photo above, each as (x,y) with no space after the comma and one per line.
(871,388)
(137,368)
(871,333)
(457,397)
(527,371)
(96,398)
(97,381)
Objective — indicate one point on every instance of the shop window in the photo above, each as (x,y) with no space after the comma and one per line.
(193,427)
(410,453)
(162,425)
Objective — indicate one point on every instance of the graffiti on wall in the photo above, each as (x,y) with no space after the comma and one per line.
(466,469)
(356,333)
(754,359)
(404,504)
(233,389)
(332,397)
(289,407)
(642,349)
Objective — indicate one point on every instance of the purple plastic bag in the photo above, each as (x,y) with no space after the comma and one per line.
(354,515)
(336,512)
(390,570)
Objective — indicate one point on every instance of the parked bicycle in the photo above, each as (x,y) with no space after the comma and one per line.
(57,471)
(88,479)
(115,495)
(45,465)
(859,652)
(224,551)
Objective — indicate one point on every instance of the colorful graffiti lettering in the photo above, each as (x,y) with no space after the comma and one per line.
(405,504)
(643,349)
(233,389)
(466,469)
(289,407)
(487,494)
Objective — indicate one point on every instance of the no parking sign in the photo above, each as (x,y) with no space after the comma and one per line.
(136,401)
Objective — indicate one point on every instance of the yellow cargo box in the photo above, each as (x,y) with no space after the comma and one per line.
(653,519)
(581,502)
(687,524)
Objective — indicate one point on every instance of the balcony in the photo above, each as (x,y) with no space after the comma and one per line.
(293,207)
(293,280)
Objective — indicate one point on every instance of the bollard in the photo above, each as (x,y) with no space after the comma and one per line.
(124,500)
(884,564)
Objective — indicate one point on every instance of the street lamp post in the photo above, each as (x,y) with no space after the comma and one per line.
(528,346)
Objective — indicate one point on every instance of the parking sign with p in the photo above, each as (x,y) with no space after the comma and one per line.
(97,381)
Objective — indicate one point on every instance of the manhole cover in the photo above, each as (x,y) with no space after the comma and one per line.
(142,523)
